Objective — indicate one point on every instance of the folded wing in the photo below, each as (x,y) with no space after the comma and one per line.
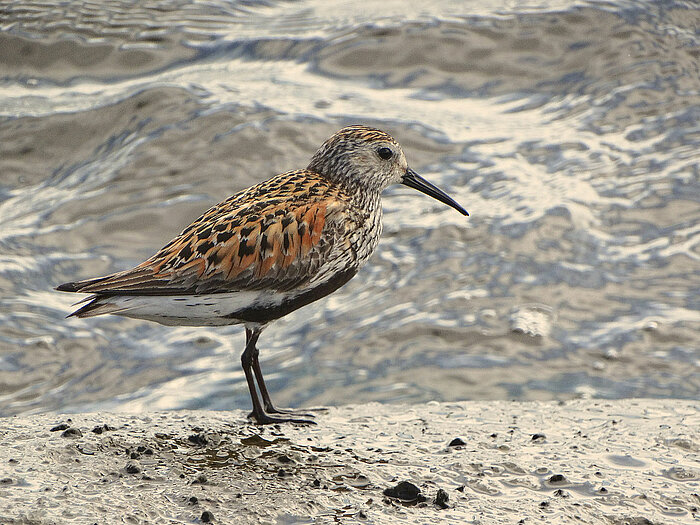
(274,236)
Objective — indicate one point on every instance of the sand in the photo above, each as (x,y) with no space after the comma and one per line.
(588,461)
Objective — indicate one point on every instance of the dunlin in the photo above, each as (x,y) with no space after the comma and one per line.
(268,250)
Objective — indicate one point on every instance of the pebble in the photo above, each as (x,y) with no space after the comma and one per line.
(405,491)
(72,433)
(441,499)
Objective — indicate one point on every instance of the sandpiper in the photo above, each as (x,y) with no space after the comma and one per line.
(268,250)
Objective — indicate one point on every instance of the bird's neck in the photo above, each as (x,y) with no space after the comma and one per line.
(367,200)
(363,189)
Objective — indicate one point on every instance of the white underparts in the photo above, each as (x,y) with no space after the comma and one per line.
(188,310)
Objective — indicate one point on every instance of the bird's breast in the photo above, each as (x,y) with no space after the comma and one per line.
(363,234)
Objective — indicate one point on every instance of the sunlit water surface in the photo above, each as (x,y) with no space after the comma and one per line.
(569,130)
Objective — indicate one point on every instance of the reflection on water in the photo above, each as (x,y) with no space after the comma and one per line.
(569,131)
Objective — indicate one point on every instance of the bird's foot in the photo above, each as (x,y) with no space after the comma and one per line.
(265,419)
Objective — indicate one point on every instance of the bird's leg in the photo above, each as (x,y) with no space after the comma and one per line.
(251,336)
(249,361)
(267,402)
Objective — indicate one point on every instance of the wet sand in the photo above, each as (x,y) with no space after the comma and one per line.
(589,461)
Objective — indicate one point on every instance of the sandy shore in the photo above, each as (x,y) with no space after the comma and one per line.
(613,462)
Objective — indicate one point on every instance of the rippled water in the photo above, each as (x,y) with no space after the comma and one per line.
(569,130)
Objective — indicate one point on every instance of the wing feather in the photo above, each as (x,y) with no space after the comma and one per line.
(274,235)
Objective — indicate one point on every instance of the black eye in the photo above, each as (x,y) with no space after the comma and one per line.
(385,153)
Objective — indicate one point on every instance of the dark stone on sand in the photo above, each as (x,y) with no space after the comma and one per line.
(456,442)
(6,481)
(441,499)
(538,437)
(72,433)
(62,426)
(405,491)
(193,500)
(132,468)
(198,439)
(557,478)
(207,516)
(103,428)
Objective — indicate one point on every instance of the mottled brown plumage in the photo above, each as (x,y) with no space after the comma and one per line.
(267,250)
(272,236)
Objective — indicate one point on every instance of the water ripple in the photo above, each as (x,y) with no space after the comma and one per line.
(568,130)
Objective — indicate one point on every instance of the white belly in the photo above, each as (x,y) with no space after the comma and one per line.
(187,310)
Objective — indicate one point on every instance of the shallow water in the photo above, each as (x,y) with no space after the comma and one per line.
(569,130)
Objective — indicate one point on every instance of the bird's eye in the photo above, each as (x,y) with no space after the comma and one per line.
(385,153)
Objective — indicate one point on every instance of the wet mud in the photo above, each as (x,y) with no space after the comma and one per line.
(632,461)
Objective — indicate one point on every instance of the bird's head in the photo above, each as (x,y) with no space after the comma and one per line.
(369,160)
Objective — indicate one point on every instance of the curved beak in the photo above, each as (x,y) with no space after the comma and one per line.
(413,180)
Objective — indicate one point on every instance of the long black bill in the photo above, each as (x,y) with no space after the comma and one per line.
(413,180)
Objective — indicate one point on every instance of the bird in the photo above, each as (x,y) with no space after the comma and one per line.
(267,251)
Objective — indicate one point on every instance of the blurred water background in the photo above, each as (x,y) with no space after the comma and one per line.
(569,130)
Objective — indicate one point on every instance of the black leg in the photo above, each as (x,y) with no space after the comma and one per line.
(267,402)
(249,361)
(251,337)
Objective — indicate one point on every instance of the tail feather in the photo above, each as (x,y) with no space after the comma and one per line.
(98,305)
(76,286)
(139,281)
